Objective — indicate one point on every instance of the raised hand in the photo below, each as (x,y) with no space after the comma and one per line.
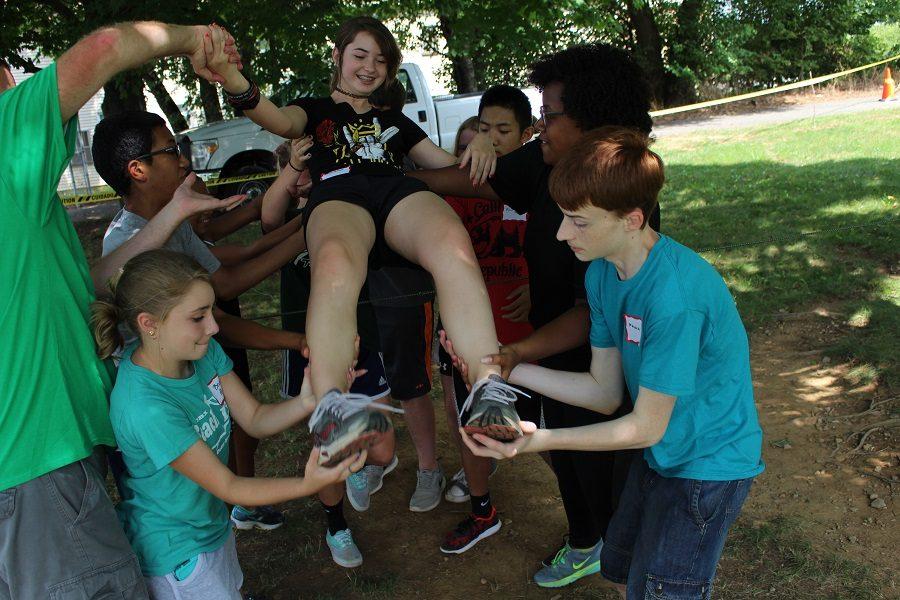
(200,60)
(190,202)
(221,55)
(300,152)
(483,157)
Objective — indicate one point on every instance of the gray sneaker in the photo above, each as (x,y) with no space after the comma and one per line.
(376,474)
(357,486)
(429,486)
(343,549)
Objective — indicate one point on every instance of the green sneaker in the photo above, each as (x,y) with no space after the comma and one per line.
(569,565)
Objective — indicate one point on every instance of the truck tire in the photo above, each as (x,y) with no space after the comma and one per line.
(254,188)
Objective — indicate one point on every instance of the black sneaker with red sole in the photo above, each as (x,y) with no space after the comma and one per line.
(471,531)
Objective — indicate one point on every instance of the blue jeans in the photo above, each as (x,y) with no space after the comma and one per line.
(667,535)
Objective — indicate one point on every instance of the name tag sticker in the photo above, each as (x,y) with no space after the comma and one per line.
(215,388)
(335,173)
(633,327)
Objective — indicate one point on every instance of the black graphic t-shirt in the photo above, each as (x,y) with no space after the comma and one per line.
(372,143)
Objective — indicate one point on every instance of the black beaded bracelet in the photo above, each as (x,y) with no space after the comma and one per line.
(246,100)
(295,168)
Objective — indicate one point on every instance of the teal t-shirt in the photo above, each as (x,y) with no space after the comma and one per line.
(680,334)
(167,517)
(54,395)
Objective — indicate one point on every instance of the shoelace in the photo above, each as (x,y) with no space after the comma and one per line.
(499,391)
(561,555)
(359,480)
(343,538)
(344,405)
(425,476)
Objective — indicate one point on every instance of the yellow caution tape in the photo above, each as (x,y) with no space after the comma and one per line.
(215,182)
(81,200)
(774,90)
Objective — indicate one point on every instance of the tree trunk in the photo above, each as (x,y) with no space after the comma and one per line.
(461,63)
(648,46)
(166,103)
(687,51)
(209,96)
(124,92)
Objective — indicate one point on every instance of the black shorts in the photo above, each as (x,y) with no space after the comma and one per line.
(373,383)
(379,196)
(406,334)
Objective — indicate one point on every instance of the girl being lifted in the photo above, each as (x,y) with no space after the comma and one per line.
(363,213)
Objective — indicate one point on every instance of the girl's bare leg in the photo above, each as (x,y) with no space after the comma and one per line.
(340,236)
(424,229)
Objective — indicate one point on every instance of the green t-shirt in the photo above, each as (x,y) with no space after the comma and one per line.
(53,403)
(167,517)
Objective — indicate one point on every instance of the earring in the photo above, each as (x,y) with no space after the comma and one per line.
(152,333)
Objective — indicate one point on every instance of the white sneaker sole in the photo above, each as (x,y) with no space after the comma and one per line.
(455,498)
(484,534)
(245,525)
(345,564)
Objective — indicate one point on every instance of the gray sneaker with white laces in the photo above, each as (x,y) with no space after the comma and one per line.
(429,486)
(345,423)
(489,410)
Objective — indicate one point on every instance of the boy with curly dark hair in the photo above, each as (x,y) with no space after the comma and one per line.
(583,87)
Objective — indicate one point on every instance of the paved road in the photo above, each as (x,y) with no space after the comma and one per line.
(781,114)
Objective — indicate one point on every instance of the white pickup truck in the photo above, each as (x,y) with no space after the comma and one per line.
(240,147)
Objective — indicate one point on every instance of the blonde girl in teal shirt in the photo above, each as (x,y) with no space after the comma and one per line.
(171,411)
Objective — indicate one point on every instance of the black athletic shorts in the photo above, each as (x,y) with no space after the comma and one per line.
(378,195)
(406,333)
(373,383)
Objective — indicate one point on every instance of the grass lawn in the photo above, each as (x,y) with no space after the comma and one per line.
(774,182)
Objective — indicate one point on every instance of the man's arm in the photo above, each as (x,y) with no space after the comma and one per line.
(452,181)
(235,254)
(94,60)
(566,332)
(230,282)
(236,332)
(641,428)
(599,390)
(225,224)
(184,204)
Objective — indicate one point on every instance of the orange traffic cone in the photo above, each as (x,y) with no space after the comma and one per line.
(887,90)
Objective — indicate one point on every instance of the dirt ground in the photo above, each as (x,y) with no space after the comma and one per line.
(801,397)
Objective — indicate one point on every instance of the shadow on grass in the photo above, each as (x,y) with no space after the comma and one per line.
(709,206)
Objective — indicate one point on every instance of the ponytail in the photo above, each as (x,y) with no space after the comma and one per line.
(105,317)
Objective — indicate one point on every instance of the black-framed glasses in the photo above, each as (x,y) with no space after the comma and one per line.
(546,115)
(174,150)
